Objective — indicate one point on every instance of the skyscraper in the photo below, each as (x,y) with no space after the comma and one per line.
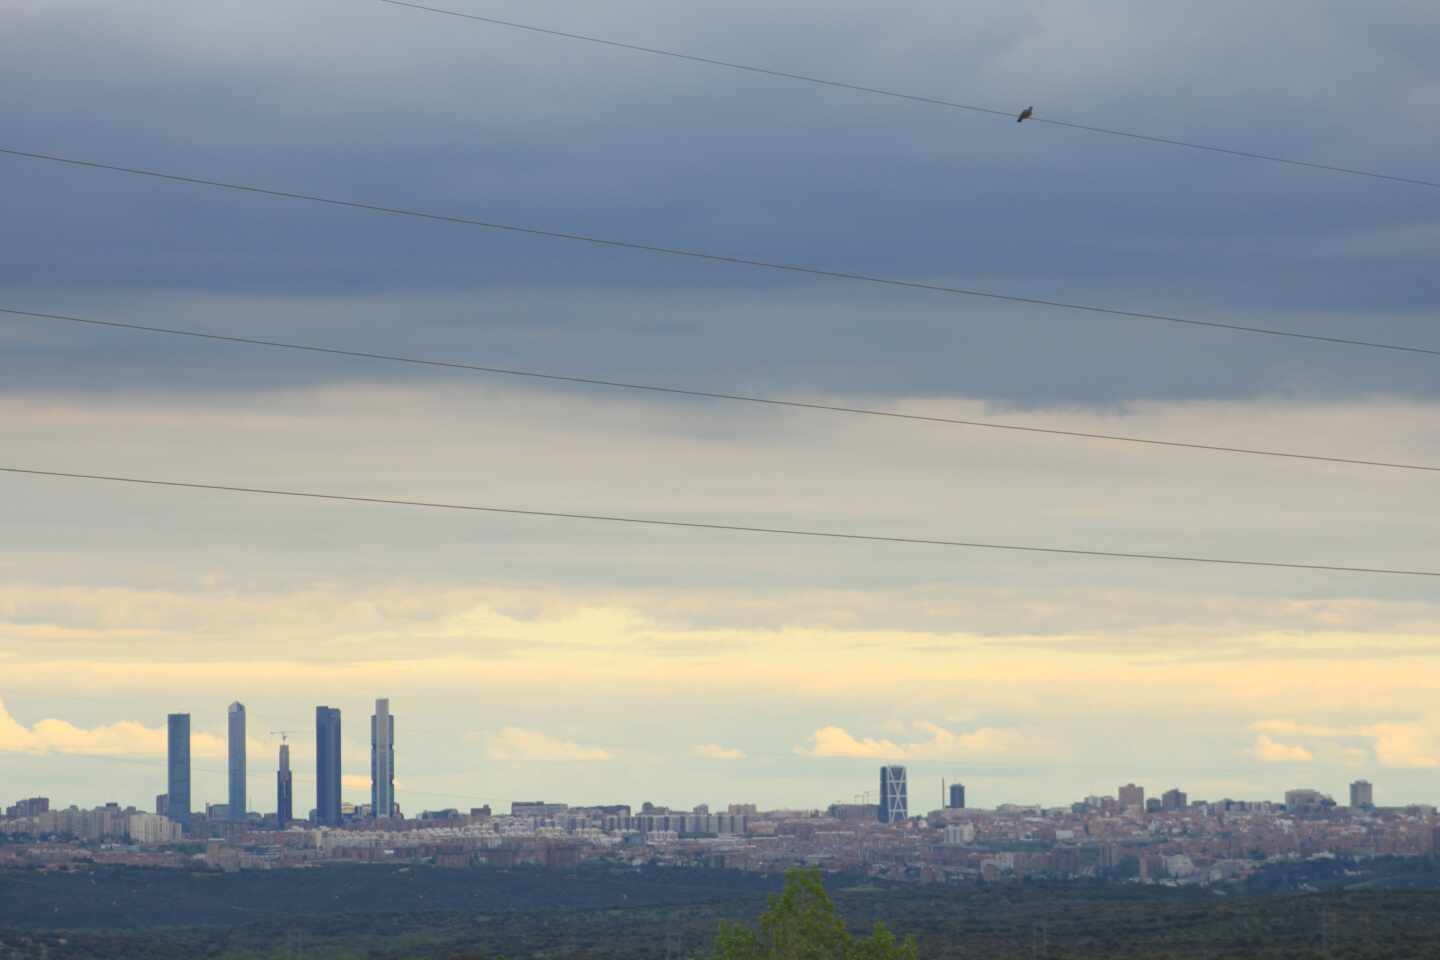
(327,766)
(382,760)
(284,790)
(1362,795)
(1131,796)
(894,800)
(237,760)
(957,796)
(177,802)
(1174,800)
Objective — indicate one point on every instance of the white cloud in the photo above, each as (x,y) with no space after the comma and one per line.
(942,744)
(1404,745)
(1296,729)
(1391,744)
(833,741)
(356,781)
(517,743)
(1270,750)
(123,738)
(713,751)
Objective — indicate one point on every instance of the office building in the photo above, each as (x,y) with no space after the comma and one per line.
(327,766)
(1305,801)
(894,798)
(1362,795)
(957,796)
(1131,796)
(284,790)
(177,791)
(236,727)
(1173,800)
(382,761)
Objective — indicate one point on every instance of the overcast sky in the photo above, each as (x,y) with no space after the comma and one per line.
(534,658)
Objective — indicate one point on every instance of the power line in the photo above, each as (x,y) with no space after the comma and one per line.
(722,258)
(914,98)
(712,395)
(726,527)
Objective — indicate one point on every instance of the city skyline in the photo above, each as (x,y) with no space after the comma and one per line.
(889,810)
(357,789)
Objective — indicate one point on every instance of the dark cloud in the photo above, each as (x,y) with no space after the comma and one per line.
(437,114)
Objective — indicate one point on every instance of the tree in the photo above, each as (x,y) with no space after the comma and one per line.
(801,923)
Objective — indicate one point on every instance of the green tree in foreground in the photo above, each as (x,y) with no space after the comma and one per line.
(803,924)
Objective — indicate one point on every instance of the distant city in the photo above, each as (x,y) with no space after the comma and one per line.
(1128,836)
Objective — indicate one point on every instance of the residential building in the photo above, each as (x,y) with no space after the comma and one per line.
(1362,795)
(29,807)
(1131,796)
(1173,800)
(149,829)
(959,833)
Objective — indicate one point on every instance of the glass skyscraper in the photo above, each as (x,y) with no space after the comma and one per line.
(382,760)
(327,766)
(894,798)
(237,760)
(284,790)
(177,802)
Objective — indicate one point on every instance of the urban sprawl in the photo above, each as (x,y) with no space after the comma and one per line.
(1169,839)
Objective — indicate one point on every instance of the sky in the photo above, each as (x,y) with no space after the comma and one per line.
(531,658)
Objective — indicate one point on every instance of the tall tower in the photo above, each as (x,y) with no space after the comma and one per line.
(1131,796)
(237,760)
(177,803)
(382,760)
(894,799)
(327,766)
(957,796)
(284,790)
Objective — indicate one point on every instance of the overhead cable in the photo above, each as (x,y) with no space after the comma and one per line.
(725,258)
(913,97)
(710,394)
(718,527)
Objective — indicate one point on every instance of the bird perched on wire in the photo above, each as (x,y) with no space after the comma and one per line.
(1025,114)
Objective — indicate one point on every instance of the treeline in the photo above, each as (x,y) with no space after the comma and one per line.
(711,915)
